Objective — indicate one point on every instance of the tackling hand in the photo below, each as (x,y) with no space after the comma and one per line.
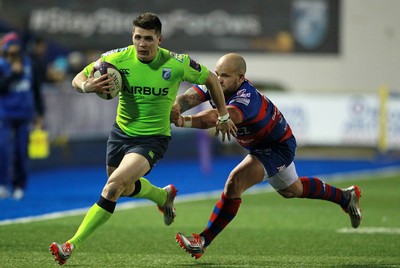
(227,128)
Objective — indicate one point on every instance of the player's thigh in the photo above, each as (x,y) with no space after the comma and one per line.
(110,170)
(247,173)
(286,180)
(131,168)
(122,181)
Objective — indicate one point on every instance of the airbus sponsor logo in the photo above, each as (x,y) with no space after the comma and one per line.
(147,90)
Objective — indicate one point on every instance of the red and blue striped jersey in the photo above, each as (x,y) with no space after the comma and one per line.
(263,124)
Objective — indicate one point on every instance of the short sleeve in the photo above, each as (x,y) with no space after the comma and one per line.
(195,72)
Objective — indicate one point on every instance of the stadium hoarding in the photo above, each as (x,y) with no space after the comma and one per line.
(341,119)
(286,26)
(317,119)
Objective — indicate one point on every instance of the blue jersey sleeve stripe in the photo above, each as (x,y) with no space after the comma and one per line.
(204,95)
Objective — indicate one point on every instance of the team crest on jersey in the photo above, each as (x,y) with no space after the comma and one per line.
(166,73)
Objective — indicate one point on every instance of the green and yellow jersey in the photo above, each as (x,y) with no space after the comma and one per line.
(149,89)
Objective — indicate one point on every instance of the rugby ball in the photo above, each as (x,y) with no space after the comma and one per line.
(103,67)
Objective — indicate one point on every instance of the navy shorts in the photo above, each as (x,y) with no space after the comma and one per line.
(276,157)
(119,144)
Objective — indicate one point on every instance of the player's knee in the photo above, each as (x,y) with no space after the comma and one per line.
(110,170)
(233,188)
(286,194)
(114,188)
(291,192)
(294,190)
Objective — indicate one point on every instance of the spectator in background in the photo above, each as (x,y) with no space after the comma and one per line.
(76,62)
(16,114)
(49,66)
(58,69)
(37,52)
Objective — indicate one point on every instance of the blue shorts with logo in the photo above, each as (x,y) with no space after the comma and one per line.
(277,156)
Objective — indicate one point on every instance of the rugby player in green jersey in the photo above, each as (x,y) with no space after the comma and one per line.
(142,131)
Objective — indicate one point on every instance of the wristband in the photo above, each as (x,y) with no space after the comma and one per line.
(83,86)
(187,121)
(224,119)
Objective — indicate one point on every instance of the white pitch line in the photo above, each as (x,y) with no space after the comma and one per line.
(370,230)
(366,174)
(130,205)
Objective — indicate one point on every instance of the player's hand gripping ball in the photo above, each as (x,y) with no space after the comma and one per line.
(102,67)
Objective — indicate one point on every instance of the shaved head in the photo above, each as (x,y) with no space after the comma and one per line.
(234,62)
(230,70)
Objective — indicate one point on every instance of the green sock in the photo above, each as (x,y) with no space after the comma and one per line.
(95,217)
(151,192)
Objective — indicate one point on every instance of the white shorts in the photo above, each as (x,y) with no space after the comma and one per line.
(283,178)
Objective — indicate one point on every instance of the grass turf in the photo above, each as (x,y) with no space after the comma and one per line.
(268,231)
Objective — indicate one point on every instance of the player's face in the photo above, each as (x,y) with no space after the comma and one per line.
(229,78)
(146,43)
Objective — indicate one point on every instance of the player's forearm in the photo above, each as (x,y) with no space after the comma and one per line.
(184,103)
(78,82)
(217,94)
(188,100)
(202,120)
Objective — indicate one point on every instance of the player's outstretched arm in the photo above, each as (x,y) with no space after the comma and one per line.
(207,118)
(223,124)
(190,99)
(216,93)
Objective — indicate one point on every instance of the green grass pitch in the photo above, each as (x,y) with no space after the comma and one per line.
(269,231)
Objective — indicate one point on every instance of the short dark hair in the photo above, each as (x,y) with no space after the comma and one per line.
(148,21)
